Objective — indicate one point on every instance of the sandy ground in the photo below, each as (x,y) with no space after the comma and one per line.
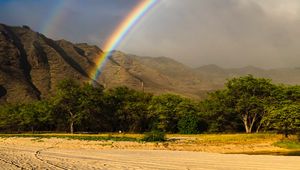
(30,153)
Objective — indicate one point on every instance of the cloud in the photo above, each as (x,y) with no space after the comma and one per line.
(76,20)
(229,33)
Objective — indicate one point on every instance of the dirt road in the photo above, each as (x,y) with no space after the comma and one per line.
(53,154)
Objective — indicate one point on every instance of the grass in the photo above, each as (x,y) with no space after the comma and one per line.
(237,141)
(100,137)
(288,144)
(281,153)
(154,136)
(207,138)
(231,138)
(291,144)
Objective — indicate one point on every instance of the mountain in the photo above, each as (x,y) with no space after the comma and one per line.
(218,75)
(157,75)
(31,65)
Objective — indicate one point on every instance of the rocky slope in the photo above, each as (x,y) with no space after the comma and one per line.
(31,65)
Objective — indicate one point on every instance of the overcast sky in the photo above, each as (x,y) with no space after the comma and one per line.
(229,33)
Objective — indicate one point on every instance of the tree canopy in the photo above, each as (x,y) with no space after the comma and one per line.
(245,104)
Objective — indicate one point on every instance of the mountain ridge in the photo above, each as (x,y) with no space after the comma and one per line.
(31,65)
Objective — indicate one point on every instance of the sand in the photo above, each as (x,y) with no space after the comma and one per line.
(53,153)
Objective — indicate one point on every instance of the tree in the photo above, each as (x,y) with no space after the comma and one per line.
(189,124)
(68,101)
(292,93)
(34,115)
(91,107)
(285,119)
(9,117)
(191,121)
(137,111)
(163,113)
(129,108)
(249,96)
(219,113)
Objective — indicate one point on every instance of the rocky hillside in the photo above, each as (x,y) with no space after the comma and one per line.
(31,65)
(162,74)
(156,75)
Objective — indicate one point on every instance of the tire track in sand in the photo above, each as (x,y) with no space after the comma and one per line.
(38,153)
(10,162)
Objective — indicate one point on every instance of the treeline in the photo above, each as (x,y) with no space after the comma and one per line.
(245,104)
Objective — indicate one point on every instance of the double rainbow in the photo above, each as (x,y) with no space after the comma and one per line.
(119,34)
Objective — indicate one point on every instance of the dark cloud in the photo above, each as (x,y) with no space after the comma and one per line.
(75,20)
(230,33)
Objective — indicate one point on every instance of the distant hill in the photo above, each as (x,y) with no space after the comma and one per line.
(158,75)
(219,75)
(31,65)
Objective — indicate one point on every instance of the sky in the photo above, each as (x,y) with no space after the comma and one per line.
(228,33)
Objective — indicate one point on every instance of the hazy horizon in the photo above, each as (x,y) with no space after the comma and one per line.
(230,34)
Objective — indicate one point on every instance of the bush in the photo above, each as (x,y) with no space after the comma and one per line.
(191,124)
(154,136)
(188,124)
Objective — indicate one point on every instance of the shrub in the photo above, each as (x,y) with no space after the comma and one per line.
(191,124)
(154,136)
(188,124)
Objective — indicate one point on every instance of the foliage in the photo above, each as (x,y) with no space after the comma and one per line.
(285,119)
(189,124)
(163,112)
(244,98)
(78,104)
(33,116)
(154,136)
(191,120)
(9,118)
(249,96)
(246,103)
(129,108)
(219,113)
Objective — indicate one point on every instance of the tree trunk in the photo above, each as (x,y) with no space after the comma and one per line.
(286,133)
(245,121)
(71,127)
(258,127)
(252,121)
(72,119)
(249,122)
(261,121)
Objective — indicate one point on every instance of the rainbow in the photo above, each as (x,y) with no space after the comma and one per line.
(55,18)
(119,34)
